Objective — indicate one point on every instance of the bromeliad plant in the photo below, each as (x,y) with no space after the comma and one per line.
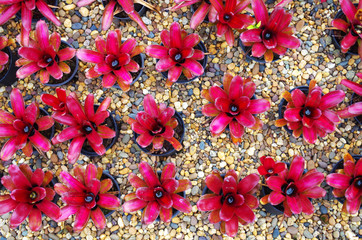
(229,17)
(29,196)
(355,109)
(352,27)
(271,34)
(23,128)
(269,167)
(27,7)
(86,195)
(43,56)
(84,125)
(155,125)
(310,114)
(347,183)
(4,57)
(116,6)
(233,106)
(178,54)
(58,104)
(158,195)
(292,188)
(231,200)
(113,60)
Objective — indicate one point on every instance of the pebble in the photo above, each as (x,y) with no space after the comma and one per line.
(307,234)
(292,230)
(323,210)
(84,11)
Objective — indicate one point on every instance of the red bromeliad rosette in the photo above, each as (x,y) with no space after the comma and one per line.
(4,57)
(84,124)
(269,167)
(155,125)
(44,56)
(351,27)
(271,34)
(178,54)
(229,17)
(158,196)
(311,114)
(113,60)
(293,189)
(58,104)
(347,183)
(24,128)
(231,200)
(29,196)
(85,196)
(355,109)
(232,106)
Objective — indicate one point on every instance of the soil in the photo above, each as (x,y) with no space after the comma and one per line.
(71,63)
(167,146)
(6,66)
(356,98)
(106,142)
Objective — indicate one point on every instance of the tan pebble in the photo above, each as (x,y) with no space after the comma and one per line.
(84,11)
(124,171)
(69,7)
(229,160)
(192,150)
(221,155)
(68,23)
(299,25)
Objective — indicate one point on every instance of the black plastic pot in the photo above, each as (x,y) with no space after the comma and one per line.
(333,33)
(247,51)
(112,125)
(170,152)
(10,73)
(340,165)
(283,103)
(52,129)
(71,75)
(140,59)
(182,78)
(357,118)
(138,7)
(36,13)
(115,188)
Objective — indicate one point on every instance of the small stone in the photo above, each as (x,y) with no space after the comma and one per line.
(323,209)
(292,230)
(307,234)
(84,11)
(67,23)
(276,233)
(229,160)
